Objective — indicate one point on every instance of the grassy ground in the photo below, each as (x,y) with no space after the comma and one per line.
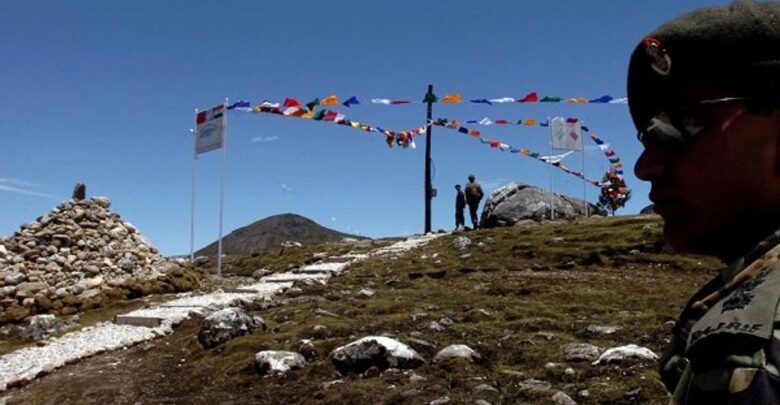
(516,295)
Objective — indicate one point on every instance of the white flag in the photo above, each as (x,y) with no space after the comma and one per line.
(566,133)
(555,158)
(210,129)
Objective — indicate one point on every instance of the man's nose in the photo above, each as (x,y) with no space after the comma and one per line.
(652,164)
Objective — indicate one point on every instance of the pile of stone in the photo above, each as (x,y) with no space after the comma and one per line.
(77,257)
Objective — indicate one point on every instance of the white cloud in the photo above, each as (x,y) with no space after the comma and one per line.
(11,189)
(265,138)
(333,219)
(285,187)
(18,182)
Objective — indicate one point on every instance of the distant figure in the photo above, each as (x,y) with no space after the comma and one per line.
(460,205)
(80,191)
(473,197)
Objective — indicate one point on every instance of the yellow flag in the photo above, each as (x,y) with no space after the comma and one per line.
(529,122)
(453,98)
(330,100)
(577,100)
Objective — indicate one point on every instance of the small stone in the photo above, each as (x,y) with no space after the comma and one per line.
(440,401)
(102,201)
(457,351)
(434,326)
(532,385)
(415,378)
(581,352)
(482,402)
(365,293)
(583,394)
(278,362)
(52,267)
(603,330)
(461,243)
(626,354)
(260,273)
(561,398)
(485,388)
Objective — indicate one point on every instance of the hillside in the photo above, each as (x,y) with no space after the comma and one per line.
(271,232)
(516,295)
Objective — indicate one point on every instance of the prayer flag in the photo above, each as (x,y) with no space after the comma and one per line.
(501,122)
(399,102)
(577,100)
(453,98)
(430,98)
(529,122)
(210,129)
(312,104)
(502,100)
(565,134)
(351,101)
(380,101)
(531,97)
(242,105)
(485,121)
(481,101)
(268,104)
(291,102)
(548,99)
(330,100)
(602,99)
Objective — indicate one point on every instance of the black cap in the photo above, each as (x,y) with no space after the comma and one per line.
(734,48)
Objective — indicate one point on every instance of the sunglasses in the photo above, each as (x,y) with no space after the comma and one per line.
(676,128)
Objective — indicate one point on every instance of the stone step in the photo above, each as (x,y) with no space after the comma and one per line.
(149,322)
(292,277)
(328,268)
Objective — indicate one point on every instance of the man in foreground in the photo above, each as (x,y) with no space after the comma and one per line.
(704,93)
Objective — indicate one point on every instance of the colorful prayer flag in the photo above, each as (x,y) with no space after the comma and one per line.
(330,100)
(531,97)
(351,101)
(453,98)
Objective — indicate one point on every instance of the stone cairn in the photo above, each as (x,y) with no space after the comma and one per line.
(77,257)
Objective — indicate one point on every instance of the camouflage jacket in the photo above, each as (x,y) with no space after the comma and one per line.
(725,347)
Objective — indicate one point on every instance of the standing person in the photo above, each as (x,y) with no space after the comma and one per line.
(704,93)
(460,205)
(473,197)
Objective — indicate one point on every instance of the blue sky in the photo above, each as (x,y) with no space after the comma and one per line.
(104,93)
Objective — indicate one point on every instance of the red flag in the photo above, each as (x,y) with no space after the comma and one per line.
(291,102)
(500,122)
(495,144)
(399,102)
(531,97)
(330,116)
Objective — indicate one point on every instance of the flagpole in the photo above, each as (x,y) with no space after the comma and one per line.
(192,203)
(584,186)
(222,191)
(549,171)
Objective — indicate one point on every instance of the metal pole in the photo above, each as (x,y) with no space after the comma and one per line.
(428,186)
(585,186)
(549,170)
(192,205)
(222,192)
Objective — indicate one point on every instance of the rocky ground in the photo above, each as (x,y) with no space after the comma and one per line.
(531,310)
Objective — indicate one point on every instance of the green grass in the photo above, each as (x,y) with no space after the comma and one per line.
(536,302)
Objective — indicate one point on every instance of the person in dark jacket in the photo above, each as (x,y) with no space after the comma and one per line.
(460,205)
(473,197)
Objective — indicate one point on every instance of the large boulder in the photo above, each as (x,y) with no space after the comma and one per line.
(278,362)
(227,324)
(374,351)
(518,201)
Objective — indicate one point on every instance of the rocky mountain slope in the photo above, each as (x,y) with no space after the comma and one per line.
(271,232)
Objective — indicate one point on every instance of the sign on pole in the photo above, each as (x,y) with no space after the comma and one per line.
(566,133)
(210,129)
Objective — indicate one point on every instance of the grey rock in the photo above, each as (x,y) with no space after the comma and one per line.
(561,398)
(482,402)
(227,324)
(365,293)
(421,343)
(29,289)
(583,394)
(485,388)
(3,251)
(374,351)
(42,326)
(574,352)
(434,326)
(260,273)
(101,201)
(626,354)
(533,385)
(517,201)
(278,362)
(53,267)
(440,401)
(456,351)
(14,278)
(461,242)
(603,330)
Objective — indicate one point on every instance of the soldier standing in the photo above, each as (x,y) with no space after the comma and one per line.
(460,205)
(704,93)
(473,197)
